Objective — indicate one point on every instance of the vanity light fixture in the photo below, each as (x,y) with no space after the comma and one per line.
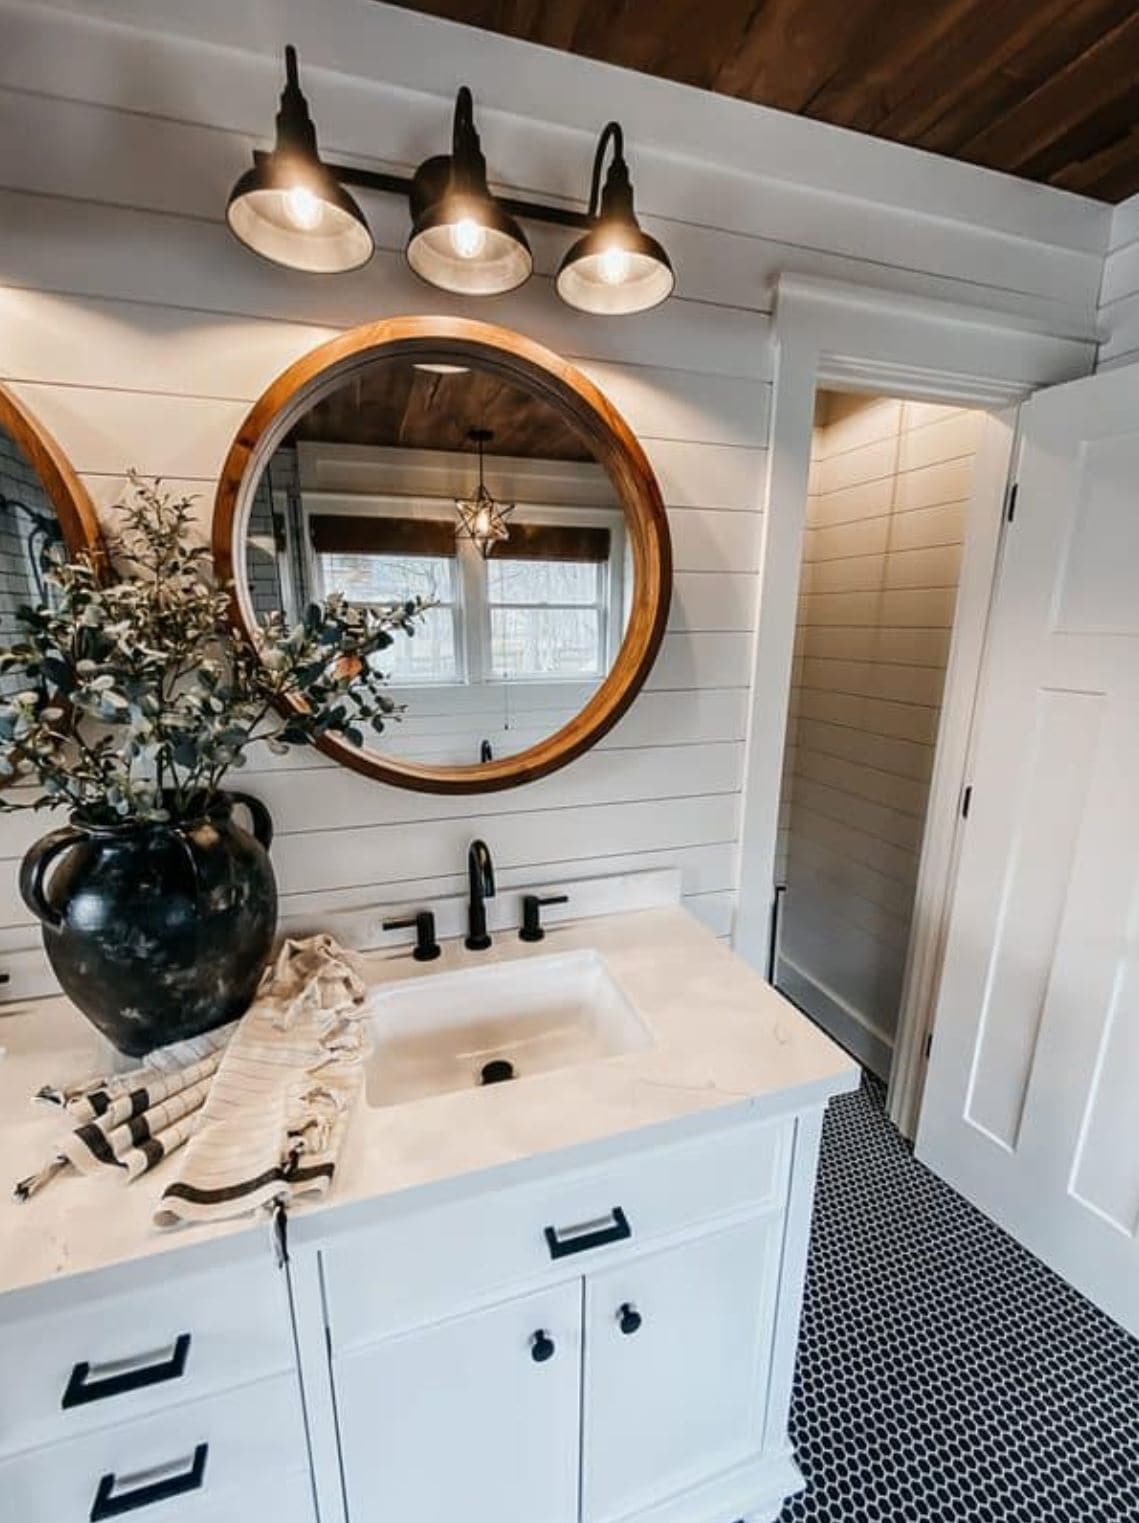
(481,518)
(616,267)
(462,239)
(292,207)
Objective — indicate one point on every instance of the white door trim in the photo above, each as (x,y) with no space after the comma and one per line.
(853,338)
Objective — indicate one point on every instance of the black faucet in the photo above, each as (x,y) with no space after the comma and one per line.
(480,870)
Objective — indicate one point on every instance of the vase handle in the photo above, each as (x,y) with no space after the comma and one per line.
(261,818)
(34,869)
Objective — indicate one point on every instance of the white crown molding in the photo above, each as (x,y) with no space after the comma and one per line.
(859,337)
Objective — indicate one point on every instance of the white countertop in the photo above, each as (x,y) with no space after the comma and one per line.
(722,1039)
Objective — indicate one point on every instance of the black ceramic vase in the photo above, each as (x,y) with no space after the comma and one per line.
(157,932)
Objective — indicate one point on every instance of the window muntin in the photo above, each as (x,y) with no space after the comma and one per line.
(547,618)
(431,655)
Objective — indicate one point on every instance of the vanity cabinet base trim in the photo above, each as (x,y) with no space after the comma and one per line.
(753,1493)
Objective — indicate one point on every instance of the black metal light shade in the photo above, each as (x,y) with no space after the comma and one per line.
(462,239)
(290,207)
(616,267)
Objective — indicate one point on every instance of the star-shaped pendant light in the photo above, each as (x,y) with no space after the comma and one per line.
(481,519)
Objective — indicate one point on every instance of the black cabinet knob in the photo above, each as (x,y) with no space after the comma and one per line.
(541,1347)
(628,1318)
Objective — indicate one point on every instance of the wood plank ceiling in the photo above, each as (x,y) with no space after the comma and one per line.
(1045,89)
(394,403)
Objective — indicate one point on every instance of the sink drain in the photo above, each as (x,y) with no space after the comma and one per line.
(497,1071)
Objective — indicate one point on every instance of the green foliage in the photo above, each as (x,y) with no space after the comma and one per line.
(136,694)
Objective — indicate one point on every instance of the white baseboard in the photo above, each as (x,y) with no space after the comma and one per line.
(850,1028)
(753,1493)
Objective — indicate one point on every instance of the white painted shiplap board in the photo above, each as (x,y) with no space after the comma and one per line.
(138,329)
(879,585)
(1119,291)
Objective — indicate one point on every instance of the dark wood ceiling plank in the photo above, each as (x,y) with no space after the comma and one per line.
(790,48)
(968,60)
(395,404)
(1112,173)
(1103,72)
(1113,120)
(1042,88)
(896,49)
(1005,53)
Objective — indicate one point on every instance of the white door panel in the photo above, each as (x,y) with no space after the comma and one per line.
(1031,1104)
(467,1421)
(679,1392)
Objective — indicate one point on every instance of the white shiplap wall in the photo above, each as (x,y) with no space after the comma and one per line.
(1119,293)
(890,483)
(140,332)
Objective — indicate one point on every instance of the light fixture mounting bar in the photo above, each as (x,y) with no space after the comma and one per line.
(400,185)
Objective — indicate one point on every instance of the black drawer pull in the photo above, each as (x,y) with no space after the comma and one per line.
(109,1505)
(613,1228)
(125,1375)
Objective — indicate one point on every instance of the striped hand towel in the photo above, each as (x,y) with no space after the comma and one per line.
(130,1122)
(276,1112)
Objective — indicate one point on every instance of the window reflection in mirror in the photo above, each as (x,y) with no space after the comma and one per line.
(30,536)
(361,496)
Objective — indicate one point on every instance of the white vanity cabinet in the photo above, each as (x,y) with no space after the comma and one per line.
(555,1342)
(157,1390)
(574,1299)
(601,1345)
(593,1399)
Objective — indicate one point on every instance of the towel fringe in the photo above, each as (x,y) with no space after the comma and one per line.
(26,1188)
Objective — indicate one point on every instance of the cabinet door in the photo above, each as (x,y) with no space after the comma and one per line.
(677,1349)
(475,1419)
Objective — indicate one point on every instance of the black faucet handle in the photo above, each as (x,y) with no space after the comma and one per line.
(427,949)
(532,907)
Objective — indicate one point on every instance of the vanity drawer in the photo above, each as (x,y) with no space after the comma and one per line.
(69,1369)
(240,1455)
(430,1263)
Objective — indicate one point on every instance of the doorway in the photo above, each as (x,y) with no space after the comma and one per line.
(889,495)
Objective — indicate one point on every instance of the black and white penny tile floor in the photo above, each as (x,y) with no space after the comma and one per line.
(944,1373)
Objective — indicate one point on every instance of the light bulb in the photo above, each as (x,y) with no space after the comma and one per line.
(468,238)
(302,208)
(482,522)
(615,266)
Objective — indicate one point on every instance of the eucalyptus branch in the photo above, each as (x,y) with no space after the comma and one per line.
(133,697)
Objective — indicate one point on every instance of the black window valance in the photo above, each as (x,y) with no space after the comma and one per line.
(553,542)
(357,534)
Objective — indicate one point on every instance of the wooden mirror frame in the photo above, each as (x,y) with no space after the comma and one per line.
(74,509)
(546,375)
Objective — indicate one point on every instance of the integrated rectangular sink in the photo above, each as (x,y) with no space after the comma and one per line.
(438,1032)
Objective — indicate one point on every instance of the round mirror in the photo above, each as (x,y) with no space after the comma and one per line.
(460,464)
(43,509)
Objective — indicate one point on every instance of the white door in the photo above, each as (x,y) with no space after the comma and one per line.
(474,1420)
(676,1349)
(1031,1106)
